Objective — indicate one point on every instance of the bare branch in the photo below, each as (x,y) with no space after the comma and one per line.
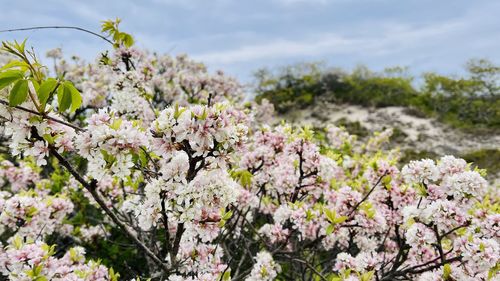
(91,187)
(58,27)
(43,116)
(367,195)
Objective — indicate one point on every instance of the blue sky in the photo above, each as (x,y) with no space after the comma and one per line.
(242,36)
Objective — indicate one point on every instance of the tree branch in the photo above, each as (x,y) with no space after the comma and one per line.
(43,116)
(91,187)
(367,195)
(58,27)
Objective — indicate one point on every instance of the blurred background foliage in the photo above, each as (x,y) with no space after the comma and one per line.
(469,102)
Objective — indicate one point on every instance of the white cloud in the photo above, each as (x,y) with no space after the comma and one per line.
(392,37)
(275,49)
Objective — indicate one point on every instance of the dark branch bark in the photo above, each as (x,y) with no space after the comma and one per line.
(91,187)
(367,195)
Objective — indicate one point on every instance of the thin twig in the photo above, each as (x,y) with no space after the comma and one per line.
(58,27)
(91,187)
(367,195)
(43,116)
(311,268)
(223,272)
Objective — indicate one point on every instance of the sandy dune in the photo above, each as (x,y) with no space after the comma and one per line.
(421,133)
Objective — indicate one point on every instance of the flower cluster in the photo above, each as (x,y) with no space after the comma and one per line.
(146,78)
(18,177)
(32,215)
(30,135)
(108,145)
(264,269)
(207,130)
(36,261)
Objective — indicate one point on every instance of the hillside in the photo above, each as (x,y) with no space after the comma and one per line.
(445,115)
(416,136)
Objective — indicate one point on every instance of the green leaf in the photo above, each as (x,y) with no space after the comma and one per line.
(226,276)
(112,275)
(387,179)
(18,93)
(9,77)
(224,217)
(367,276)
(329,229)
(493,271)
(35,84)
(37,270)
(246,178)
(446,271)
(23,66)
(333,277)
(421,190)
(49,138)
(21,47)
(109,25)
(177,111)
(309,215)
(109,158)
(76,97)
(387,182)
(142,156)
(340,219)
(52,250)
(46,89)
(17,242)
(227,215)
(127,39)
(330,215)
(63,98)
(116,124)
(203,115)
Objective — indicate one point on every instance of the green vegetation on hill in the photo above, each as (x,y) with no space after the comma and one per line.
(294,87)
(485,158)
(468,102)
(482,158)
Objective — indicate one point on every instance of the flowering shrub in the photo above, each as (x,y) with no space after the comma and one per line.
(147,165)
(35,261)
